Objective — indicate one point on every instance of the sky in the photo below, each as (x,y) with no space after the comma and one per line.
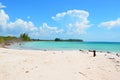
(90,20)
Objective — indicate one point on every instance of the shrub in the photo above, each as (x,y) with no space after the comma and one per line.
(1,40)
(25,37)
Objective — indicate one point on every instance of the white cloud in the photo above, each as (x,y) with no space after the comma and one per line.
(76,21)
(20,26)
(2,6)
(47,30)
(78,14)
(110,24)
(3,18)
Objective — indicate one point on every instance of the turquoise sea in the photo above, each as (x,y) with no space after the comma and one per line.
(51,45)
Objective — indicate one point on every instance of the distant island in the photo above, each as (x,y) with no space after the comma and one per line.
(70,40)
(60,40)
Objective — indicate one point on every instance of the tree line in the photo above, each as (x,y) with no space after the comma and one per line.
(25,37)
(22,37)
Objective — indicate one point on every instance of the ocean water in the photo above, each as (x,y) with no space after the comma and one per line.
(51,45)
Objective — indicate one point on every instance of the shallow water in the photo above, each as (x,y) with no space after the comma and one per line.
(51,45)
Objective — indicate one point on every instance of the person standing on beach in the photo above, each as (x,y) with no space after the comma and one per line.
(94,53)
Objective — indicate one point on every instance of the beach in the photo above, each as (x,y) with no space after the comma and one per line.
(58,65)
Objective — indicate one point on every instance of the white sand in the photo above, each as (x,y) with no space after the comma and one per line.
(57,65)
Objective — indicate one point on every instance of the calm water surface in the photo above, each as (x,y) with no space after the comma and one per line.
(51,45)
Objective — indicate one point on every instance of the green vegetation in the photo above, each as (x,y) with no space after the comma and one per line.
(25,37)
(6,38)
(60,40)
(1,40)
(69,40)
(57,39)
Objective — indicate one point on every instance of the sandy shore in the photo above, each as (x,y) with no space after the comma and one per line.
(57,65)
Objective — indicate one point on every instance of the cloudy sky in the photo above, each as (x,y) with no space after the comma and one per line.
(90,20)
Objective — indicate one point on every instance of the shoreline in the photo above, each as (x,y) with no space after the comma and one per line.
(20,45)
(80,50)
(7,46)
(99,51)
(57,65)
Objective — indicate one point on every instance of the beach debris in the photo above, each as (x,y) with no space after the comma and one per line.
(83,51)
(88,68)
(117,62)
(105,54)
(80,50)
(108,52)
(36,66)
(117,55)
(26,71)
(118,65)
(90,50)
(111,58)
(45,50)
(82,74)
